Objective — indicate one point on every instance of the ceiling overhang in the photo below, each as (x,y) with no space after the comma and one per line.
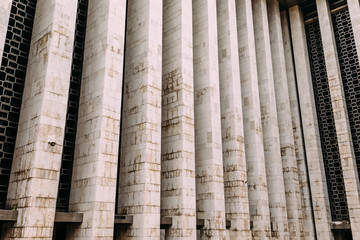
(289,3)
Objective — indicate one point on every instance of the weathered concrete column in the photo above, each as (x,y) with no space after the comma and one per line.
(255,161)
(5,6)
(208,145)
(96,150)
(271,138)
(141,125)
(310,126)
(178,195)
(343,132)
(36,165)
(289,163)
(232,128)
(307,229)
(354,9)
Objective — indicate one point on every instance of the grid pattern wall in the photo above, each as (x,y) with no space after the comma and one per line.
(329,142)
(350,72)
(72,108)
(12,79)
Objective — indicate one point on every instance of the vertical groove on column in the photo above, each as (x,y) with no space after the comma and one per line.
(329,142)
(271,138)
(140,160)
(305,195)
(289,163)
(67,160)
(255,162)
(12,79)
(208,146)
(233,144)
(178,198)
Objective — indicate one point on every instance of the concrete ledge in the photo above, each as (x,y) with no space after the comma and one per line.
(201,222)
(68,217)
(124,220)
(340,225)
(165,222)
(8,215)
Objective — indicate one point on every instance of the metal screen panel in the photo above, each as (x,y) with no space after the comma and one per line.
(329,142)
(350,73)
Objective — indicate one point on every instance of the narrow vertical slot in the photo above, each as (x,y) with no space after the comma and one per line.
(67,160)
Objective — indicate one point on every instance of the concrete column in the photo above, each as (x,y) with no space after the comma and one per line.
(96,150)
(307,228)
(232,128)
(5,6)
(310,126)
(289,163)
(343,132)
(141,125)
(354,9)
(271,138)
(255,161)
(178,198)
(208,145)
(36,165)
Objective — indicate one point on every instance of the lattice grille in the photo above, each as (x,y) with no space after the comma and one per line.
(329,142)
(72,110)
(12,79)
(350,73)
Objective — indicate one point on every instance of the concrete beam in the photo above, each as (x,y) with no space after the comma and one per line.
(254,148)
(310,126)
(36,164)
(307,214)
(5,6)
(289,163)
(140,158)
(232,128)
(96,150)
(210,202)
(178,200)
(271,138)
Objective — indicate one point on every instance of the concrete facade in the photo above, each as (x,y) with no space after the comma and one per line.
(191,120)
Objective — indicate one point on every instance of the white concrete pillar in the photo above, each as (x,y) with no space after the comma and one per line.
(310,126)
(208,145)
(307,229)
(289,163)
(36,165)
(140,163)
(255,161)
(232,128)
(96,150)
(5,7)
(178,195)
(271,138)
(354,9)
(343,132)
